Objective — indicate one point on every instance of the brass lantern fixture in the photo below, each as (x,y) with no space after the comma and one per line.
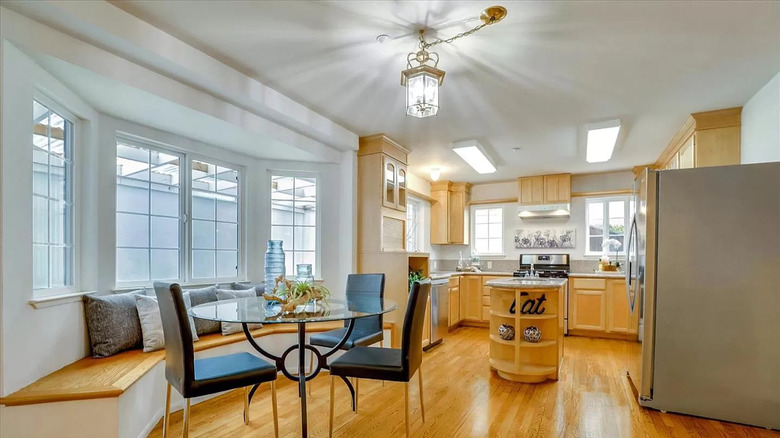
(422,78)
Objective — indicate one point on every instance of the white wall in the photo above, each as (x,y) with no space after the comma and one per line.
(761,125)
(500,190)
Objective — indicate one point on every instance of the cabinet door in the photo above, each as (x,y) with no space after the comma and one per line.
(454,310)
(588,309)
(551,183)
(401,187)
(439,217)
(389,191)
(531,190)
(474,293)
(458,219)
(619,318)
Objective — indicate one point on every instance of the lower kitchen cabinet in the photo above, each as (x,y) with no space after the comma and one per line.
(454,311)
(472,289)
(599,307)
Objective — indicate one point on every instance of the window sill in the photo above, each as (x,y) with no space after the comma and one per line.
(58,300)
(492,256)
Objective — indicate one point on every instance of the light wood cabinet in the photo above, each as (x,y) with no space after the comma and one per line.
(454,309)
(472,288)
(710,138)
(599,307)
(531,190)
(450,213)
(394,184)
(544,189)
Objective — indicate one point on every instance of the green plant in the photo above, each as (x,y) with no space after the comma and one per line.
(415,276)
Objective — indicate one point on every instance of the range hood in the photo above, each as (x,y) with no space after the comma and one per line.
(543,211)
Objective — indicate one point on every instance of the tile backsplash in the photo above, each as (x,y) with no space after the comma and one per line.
(510,265)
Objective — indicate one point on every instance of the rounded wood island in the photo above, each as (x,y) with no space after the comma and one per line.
(522,303)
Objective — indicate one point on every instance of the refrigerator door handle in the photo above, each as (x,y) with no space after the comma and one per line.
(629,272)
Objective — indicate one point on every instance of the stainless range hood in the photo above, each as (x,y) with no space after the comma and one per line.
(543,211)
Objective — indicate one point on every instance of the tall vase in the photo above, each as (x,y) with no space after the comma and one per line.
(274,263)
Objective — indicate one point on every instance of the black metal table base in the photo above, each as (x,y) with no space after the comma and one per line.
(301,376)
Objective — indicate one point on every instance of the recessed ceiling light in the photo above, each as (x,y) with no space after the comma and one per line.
(516,149)
(383,38)
(473,154)
(602,137)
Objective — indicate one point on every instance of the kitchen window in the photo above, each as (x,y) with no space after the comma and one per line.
(489,230)
(295,219)
(607,218)
(53,253)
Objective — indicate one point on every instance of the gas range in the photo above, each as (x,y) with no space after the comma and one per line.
(544,265)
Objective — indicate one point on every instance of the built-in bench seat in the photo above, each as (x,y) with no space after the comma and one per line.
(91,378)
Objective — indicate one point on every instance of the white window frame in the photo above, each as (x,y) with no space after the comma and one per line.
(474,210)
(75,188)
(605,211)
(185,209)
(419,231)
(240,272)
(317,268)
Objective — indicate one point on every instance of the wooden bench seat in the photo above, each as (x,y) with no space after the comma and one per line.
(91,378)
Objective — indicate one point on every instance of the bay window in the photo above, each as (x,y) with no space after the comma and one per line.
(295,219)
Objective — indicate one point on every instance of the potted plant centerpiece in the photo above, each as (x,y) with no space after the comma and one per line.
(292,294)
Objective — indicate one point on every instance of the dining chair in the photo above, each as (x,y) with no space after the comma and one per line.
(197,377)
(367,331)
(396,365)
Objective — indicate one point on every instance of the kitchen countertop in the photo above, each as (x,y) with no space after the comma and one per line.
(518,283)
(447,274)
(600,274)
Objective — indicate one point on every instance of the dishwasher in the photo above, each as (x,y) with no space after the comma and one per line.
(440,300)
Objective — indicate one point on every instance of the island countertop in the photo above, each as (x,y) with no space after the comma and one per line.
(524,283)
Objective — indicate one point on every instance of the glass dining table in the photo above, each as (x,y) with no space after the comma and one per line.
(257,310)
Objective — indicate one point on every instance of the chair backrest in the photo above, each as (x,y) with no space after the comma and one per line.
(411,336)
(366,285)
(179,354)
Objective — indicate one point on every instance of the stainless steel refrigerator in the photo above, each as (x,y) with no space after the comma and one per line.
(704,273)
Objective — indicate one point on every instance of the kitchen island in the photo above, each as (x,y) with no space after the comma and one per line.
(517,304)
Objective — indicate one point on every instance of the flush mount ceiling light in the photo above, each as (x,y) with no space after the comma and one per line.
(422,80)
(435,173)
(473,154)
(602,137)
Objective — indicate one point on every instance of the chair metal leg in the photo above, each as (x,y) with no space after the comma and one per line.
(185,429)
(246,405)
(330,421)
(167,416)
(406,408)
(422,407)
(357,392)
(273,402)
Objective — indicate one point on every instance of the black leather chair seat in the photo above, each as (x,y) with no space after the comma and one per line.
(371,363)
(222,373)
(331,338)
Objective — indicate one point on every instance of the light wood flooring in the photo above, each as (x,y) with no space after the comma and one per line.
(464,399)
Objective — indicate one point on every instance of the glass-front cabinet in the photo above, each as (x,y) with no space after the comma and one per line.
(394,184)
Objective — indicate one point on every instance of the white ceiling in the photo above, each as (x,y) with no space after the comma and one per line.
(531,81)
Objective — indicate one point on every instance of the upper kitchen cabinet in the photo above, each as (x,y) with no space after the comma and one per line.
(381,194)
(710,138)
(450,213)
(545,189)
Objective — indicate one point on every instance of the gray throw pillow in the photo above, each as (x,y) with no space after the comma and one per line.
(201,296)
(228,328)
(151,321)
(260,288)
(112,323)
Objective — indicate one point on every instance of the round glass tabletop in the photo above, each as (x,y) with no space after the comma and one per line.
(257,310)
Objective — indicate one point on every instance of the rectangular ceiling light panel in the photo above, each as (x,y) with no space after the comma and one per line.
(601,140)
(473,154)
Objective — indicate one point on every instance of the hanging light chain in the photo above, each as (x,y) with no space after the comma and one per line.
(424,44)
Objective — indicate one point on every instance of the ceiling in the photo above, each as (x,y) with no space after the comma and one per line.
(529,82)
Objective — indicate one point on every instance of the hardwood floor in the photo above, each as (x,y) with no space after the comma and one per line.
(464,399)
